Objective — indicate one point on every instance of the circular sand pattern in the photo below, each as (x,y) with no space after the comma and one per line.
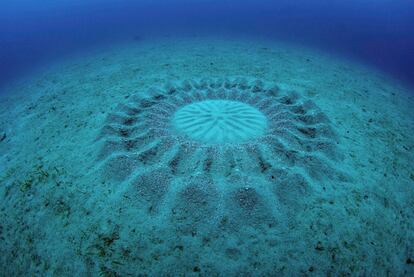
(219,121)
(206,141)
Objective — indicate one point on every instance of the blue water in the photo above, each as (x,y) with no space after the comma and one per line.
(215,175)
(379,33)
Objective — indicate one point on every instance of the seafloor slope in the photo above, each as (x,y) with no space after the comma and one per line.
(206,157)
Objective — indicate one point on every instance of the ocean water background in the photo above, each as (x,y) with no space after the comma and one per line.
(378,33)
(211,138)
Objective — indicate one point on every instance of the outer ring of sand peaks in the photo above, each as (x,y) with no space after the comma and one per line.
(169,168)
(151,132)
(219,121)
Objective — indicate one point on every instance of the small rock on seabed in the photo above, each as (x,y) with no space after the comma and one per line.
(2,136)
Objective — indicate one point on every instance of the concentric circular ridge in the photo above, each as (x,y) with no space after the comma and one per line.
(231,139)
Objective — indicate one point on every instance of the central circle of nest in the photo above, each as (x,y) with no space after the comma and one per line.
(219,121)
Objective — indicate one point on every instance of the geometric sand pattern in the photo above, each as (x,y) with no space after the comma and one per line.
(206,140)
(219,121)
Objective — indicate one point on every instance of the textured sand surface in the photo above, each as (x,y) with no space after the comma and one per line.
(120,163)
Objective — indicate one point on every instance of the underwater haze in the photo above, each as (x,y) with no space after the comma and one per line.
(379,33)
(206,138)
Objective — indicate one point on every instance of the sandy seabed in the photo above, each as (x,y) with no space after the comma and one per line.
(121,163)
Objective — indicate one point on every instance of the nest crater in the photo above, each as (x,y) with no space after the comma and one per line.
(220,131)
